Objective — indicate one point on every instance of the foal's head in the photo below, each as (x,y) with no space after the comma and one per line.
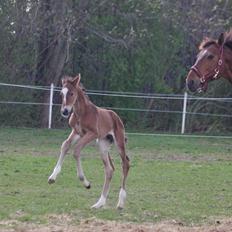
(207,65)
(69,94)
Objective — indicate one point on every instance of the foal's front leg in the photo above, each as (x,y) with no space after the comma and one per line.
(87,138)
(73,137)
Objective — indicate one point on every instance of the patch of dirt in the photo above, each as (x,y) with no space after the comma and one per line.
(63,223)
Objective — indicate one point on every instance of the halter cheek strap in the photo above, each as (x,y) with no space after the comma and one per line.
(198,73)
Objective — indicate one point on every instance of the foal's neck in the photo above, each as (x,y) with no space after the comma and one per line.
(81,103)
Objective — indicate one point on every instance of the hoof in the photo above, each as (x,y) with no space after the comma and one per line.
(119,208)
(97,206)
(51,181)
(88,186)
(101,202)
(122,199)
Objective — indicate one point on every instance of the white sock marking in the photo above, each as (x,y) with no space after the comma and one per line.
(122,198)
(101,202)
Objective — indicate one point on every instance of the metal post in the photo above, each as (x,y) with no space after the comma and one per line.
(184,112)
(50,106)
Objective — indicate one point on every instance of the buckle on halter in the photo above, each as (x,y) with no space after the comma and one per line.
(216,73)
(220,62)
(202,79)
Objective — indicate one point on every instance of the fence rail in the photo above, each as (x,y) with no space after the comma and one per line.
(184,97)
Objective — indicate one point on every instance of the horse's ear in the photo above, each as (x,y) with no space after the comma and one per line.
(203,42)
(221,39)
(76,80)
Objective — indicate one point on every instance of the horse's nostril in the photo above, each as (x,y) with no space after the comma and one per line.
(191,83)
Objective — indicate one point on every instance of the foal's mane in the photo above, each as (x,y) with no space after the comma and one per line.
(206,42)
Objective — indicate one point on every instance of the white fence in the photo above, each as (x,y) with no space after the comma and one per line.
(184,97)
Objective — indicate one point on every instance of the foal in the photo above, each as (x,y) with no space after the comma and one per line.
(88,123)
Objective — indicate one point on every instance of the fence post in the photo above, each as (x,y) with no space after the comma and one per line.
(184,112)
(50,106)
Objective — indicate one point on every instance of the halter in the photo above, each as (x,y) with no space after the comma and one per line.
(213,75)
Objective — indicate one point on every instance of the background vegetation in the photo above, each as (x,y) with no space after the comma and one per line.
(141,46)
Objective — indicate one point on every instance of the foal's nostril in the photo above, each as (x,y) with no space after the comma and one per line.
(65,112)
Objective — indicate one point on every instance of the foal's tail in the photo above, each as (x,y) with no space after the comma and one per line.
(119,133)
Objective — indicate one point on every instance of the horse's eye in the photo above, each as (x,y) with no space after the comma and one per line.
(71,94)
(210,57)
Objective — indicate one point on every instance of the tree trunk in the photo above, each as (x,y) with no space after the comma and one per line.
(53,44)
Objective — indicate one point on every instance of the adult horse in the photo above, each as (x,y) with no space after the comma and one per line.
(214,60)
(89,123)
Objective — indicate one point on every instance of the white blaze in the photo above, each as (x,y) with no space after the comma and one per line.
(201,55)
(64,91)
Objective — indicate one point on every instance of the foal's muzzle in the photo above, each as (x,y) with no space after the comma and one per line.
(65,112)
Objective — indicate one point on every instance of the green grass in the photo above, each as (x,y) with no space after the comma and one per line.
(187,179)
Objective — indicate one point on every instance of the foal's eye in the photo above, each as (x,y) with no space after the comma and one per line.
(210,57)
(71,93)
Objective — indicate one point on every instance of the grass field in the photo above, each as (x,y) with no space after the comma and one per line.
(171,178)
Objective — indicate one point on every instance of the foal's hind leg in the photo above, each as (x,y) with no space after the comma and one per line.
(73,137)
(104,147)
(125,169)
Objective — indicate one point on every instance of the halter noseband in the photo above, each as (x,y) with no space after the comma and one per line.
(213,75)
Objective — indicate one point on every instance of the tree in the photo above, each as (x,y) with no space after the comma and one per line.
(53,43)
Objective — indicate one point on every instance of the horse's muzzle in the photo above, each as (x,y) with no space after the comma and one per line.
(191,86)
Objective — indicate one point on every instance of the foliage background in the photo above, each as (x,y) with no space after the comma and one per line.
(141,46)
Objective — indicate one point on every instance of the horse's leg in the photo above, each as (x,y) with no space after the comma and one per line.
(72,139)
(120,143)
(104,147)
(88,137)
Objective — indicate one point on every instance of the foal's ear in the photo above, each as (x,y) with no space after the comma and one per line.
(221,39)
(76,80)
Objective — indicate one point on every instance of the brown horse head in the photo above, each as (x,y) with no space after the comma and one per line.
(69,94)
(214,60)
(208,64)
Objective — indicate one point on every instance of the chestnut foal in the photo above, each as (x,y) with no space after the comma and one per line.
(88,123)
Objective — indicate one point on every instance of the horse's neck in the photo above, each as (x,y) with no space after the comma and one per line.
(227,72)
(81,103)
